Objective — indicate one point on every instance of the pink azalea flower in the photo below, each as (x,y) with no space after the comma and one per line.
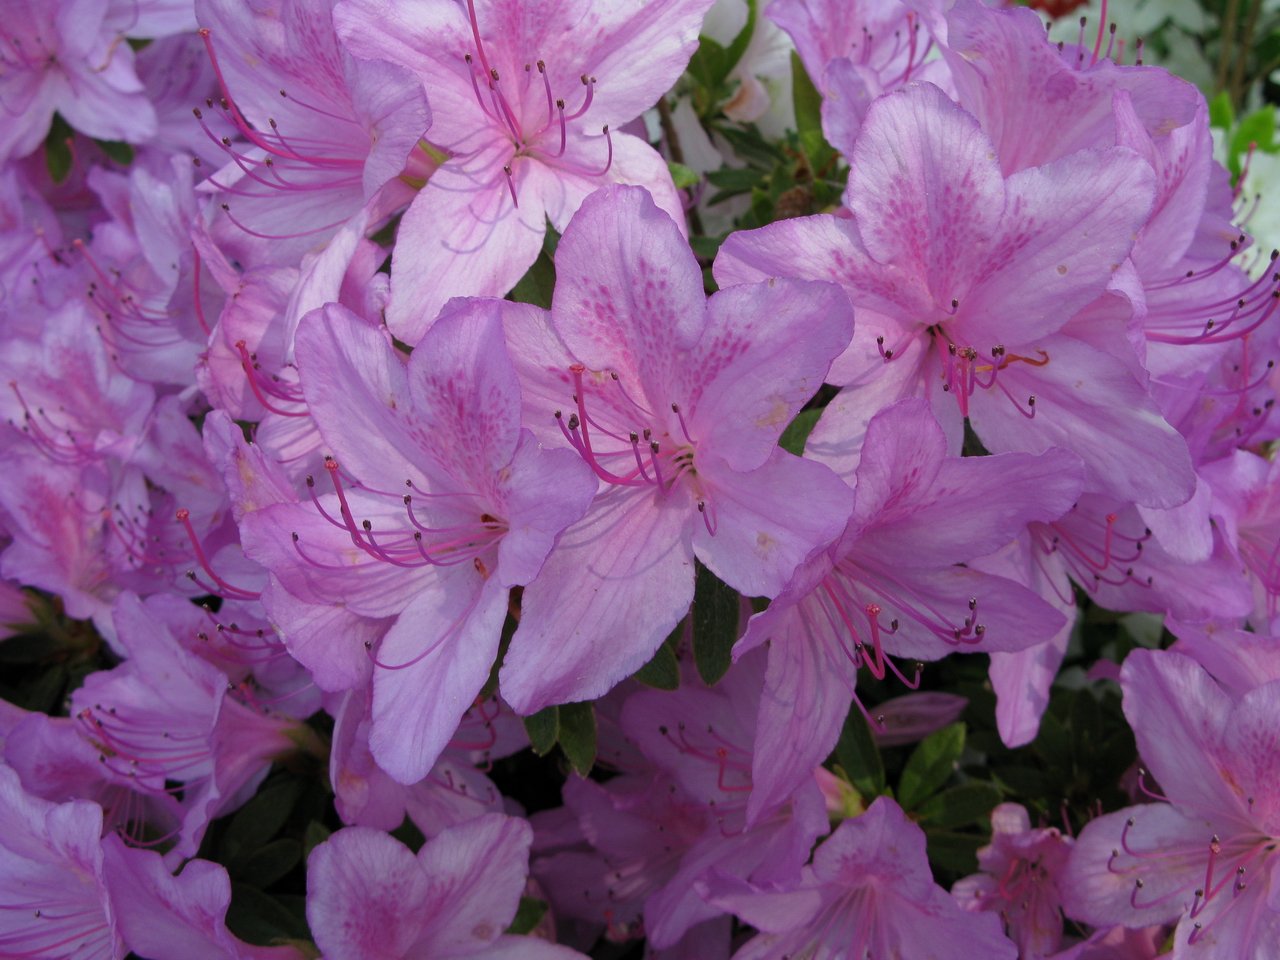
(164,716)
(99,470)
(56,762)
(677,403)
(256,480)
(1105,548)
(1119,943)
(1206,857)
(177,73)
(369,896)
(1019,881)
(854,52)
(881,38)
(1039,104)
(53,896)
(528,101)
(892,585)
(965,278)
(452,504)
(67,57)
(868,893)
(312,135)
(29,242)
(1230,401)
(65,396)
(152,18)
(247,369)
(705,739)
(677,814)
(139,281)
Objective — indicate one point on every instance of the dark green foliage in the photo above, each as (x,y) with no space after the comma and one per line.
(578,736)
(663,671)
(715,625)
(543,729)
(859,757)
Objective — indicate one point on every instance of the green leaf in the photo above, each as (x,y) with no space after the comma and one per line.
(315,834)
(117,150)
(738,46)
(683,177)
(1054,740)
(793,438)
(708,70)
(28,648)
(265,865)
(663,671)
(1257,129)
(961,806)
(808,106)
(409,834)
(578,735)
(1087,730)
(955,853)
(930,765)
(42,692)
(261,818)
(1028,782)
(537,285)
(751,146)
(543,729)
(857,753)
(1221,114)
(735,180)
(715,625)
(260,919)
(528,915)
(706,248)
(58,158)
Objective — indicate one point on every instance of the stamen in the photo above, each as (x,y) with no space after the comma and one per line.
(675,408)
(229,590)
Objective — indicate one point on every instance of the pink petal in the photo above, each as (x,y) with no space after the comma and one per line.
(1089,403)
(628,292)
(807,692)
(464,387)
(458,617)
(925,189)
(350,371)
(1097,887)
(1179,717)
(1251,755)
(1035,105)
(163,915)
(563,188)
(477,872)
(613,589)
(367,895)
(460,238)
(1041,272)
(762,529)
(765,351)
(544,492)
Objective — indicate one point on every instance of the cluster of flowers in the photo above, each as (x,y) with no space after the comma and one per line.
(280,479)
